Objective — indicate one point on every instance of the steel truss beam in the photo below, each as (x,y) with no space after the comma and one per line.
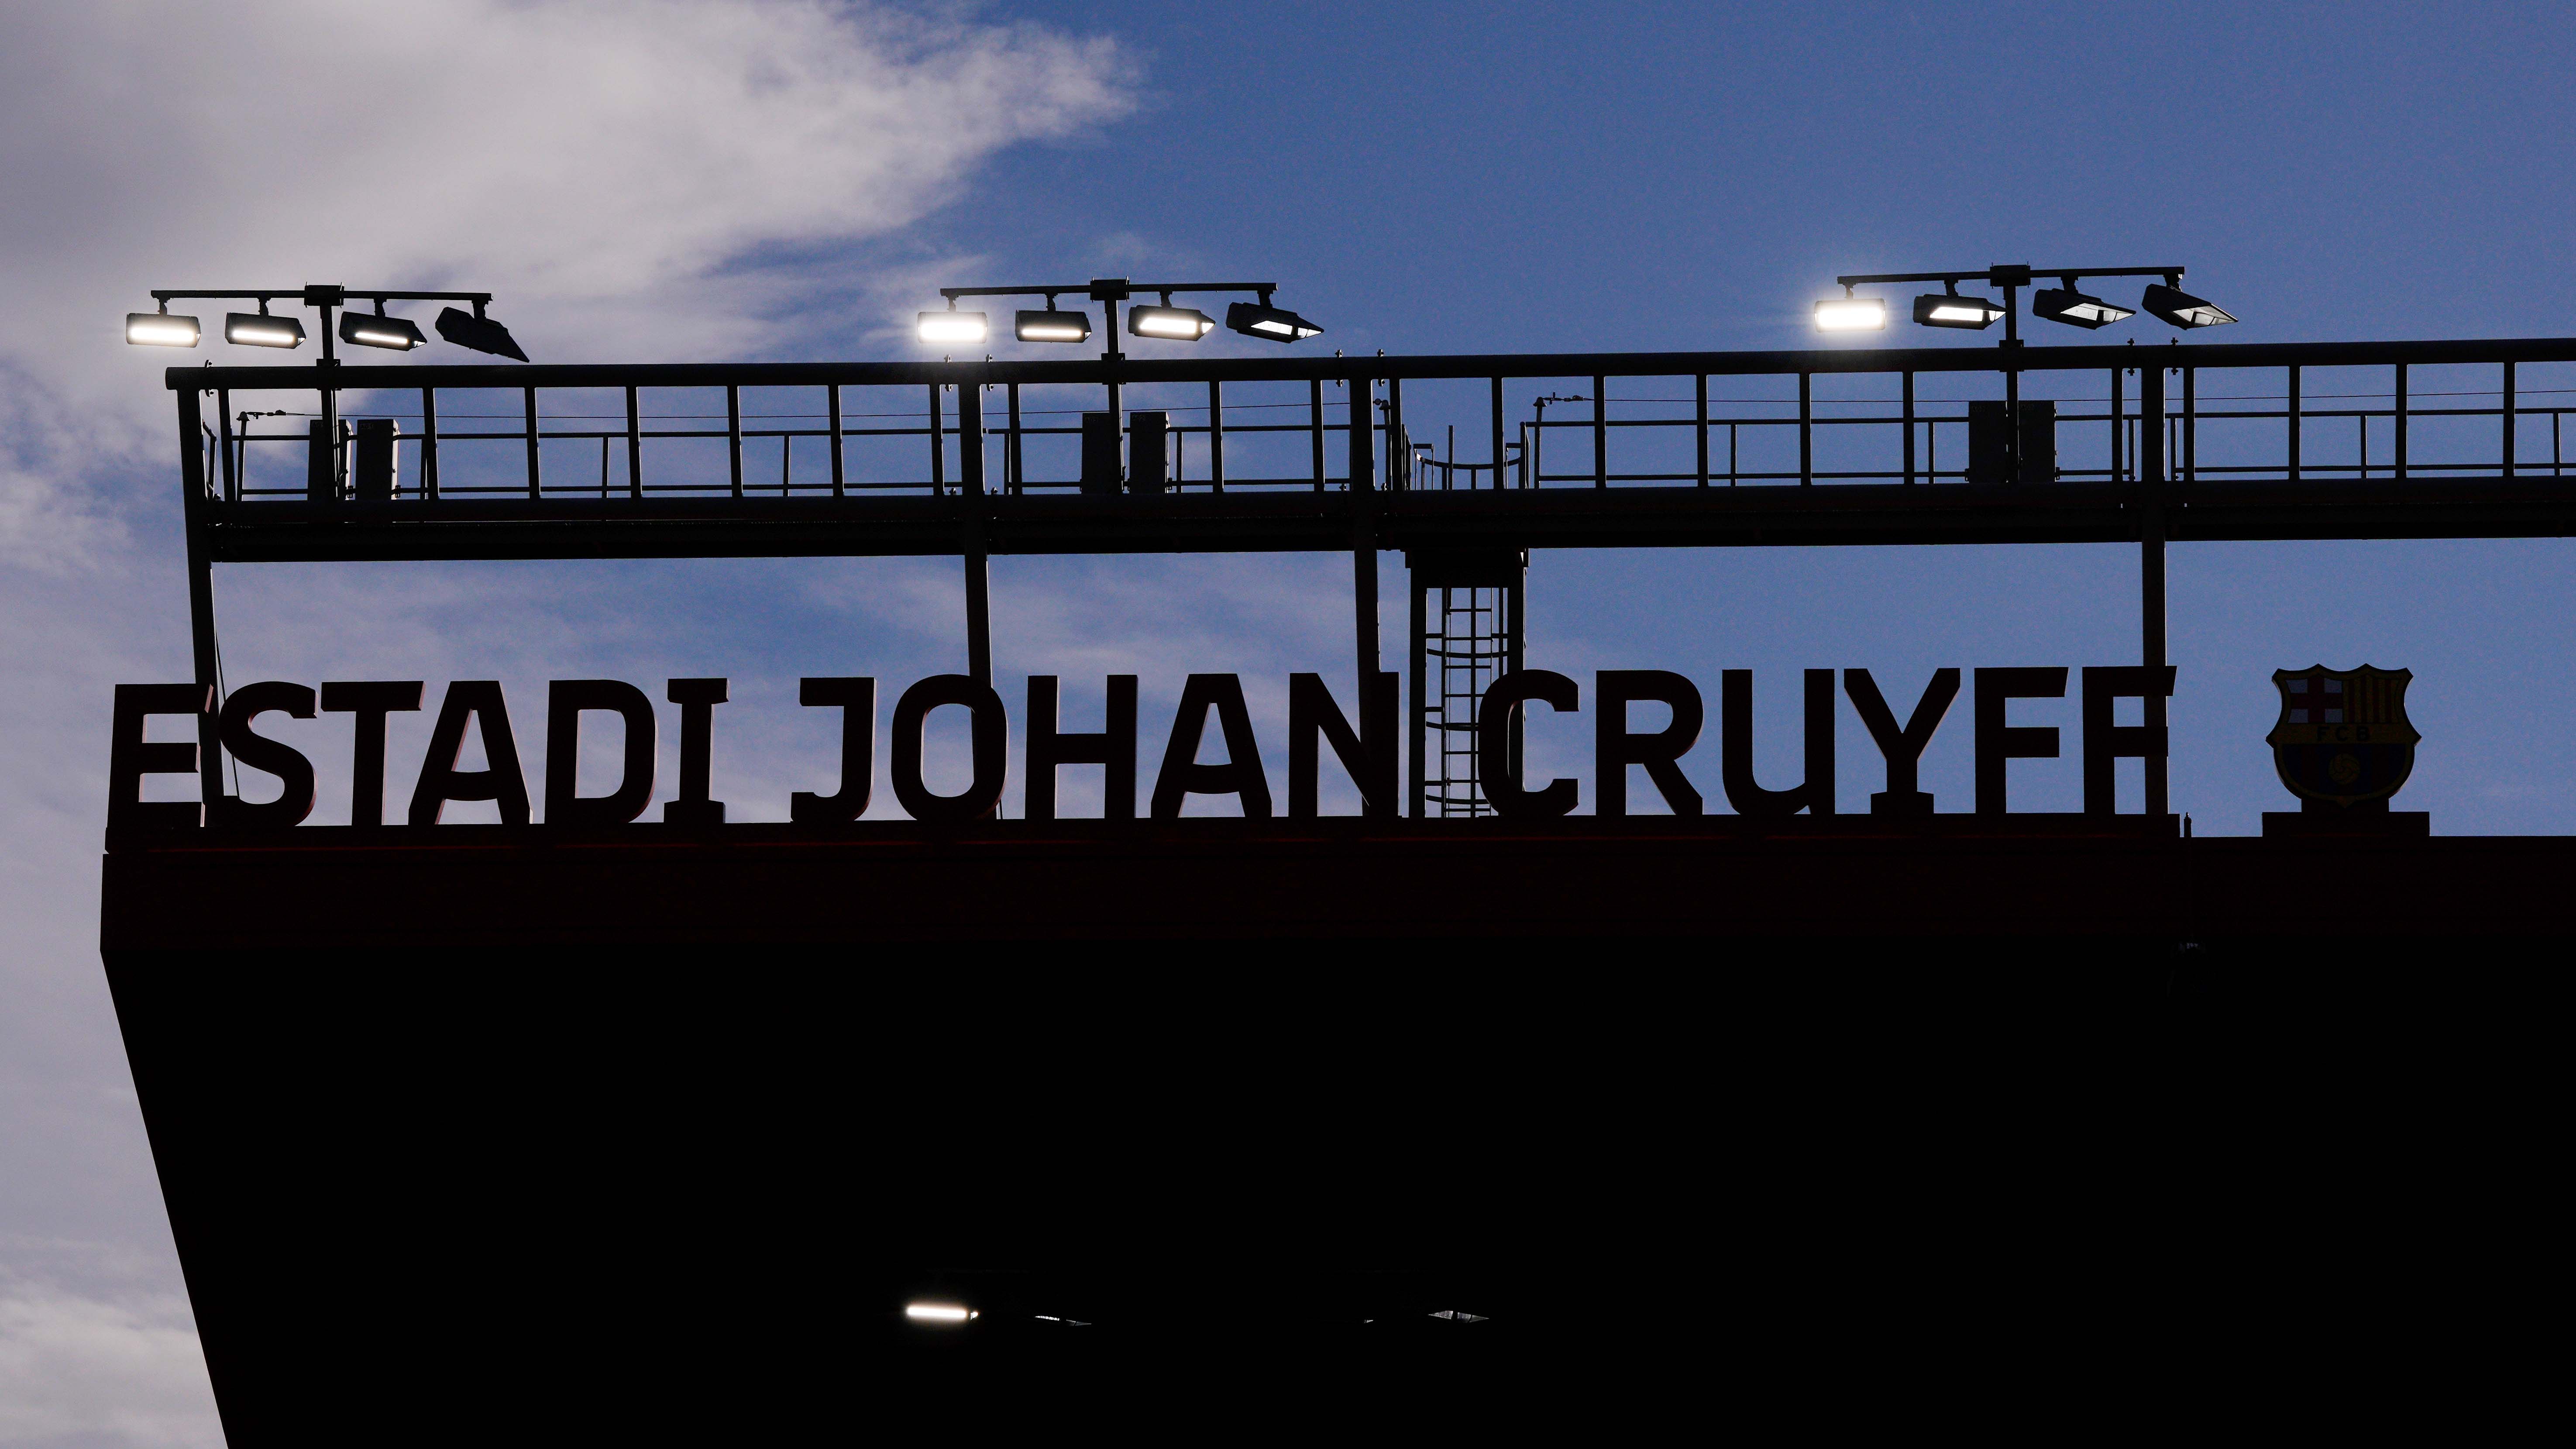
(287,532)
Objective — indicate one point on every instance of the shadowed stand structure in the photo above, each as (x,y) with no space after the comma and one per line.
(655,1127)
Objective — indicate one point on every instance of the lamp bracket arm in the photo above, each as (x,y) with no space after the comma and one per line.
(2017,276)
(339,294)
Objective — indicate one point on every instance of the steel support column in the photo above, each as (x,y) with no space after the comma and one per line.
(979,608)
(1216,437)
(938,449)
(840,465)
(536,484)
(207,657)
(1600,432)
(2292,467)
(635,444)
(1363,535)
(2508,407)
(970,468)
(2151,568)
(429,442)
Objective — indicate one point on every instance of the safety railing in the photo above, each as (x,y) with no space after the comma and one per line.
(1946,417)
(419,452)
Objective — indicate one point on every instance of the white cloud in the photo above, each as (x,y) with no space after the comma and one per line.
(121,1369)
(645,179)
(615,172)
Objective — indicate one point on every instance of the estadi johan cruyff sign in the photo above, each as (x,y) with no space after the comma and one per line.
(1319,729)
(2342,742)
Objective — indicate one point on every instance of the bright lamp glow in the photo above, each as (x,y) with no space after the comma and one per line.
(2181,308)
(1271,324)
(952,327)
(1053,326)
(380,331)
(160,329)
(2065,304)
(938,1313)
(258,329)
(1851,314)
(1952,310)
(1181,324)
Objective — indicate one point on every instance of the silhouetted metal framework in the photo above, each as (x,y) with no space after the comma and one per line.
(1466,633)
(1799,448)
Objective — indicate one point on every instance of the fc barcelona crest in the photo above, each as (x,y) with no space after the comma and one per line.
(2343,737)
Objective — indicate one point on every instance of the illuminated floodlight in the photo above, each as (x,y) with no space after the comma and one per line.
(380,331)
(2171,304)
(160,329)
(938,1313)
(478,333)
(951,326)
(1179,324)
(2067,305)
(1271,324)
(258,329)
(1051,326)
(1952,310)
(1851,314)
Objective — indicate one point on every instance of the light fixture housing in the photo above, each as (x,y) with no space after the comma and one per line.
(394,333)
(2171,304)
(258,329)
(1949,309)
(1050,325)
(160,329)
(952,327)
(1851,314)
(1173,324)
(2075,309)
(1270,324)
(479,334)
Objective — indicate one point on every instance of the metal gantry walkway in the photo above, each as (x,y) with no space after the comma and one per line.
(2088,444)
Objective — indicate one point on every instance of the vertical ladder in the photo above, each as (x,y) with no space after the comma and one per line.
(1466,634)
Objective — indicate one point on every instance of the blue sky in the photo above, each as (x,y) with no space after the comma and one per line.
(790,180)
(1543,177)
(1434,179)
(1425,179)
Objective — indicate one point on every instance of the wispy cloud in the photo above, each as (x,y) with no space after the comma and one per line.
(638,180)
(112,1360)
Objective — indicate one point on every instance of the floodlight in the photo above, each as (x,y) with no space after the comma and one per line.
(1949,309)
(2169,303)
(1052,326)
(258,329)
(380,331)
(938,1313)
(1271,324)
(160,329)
(481,334)
(951,326)
(1851,314)
(1182,324)
(2067,305)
